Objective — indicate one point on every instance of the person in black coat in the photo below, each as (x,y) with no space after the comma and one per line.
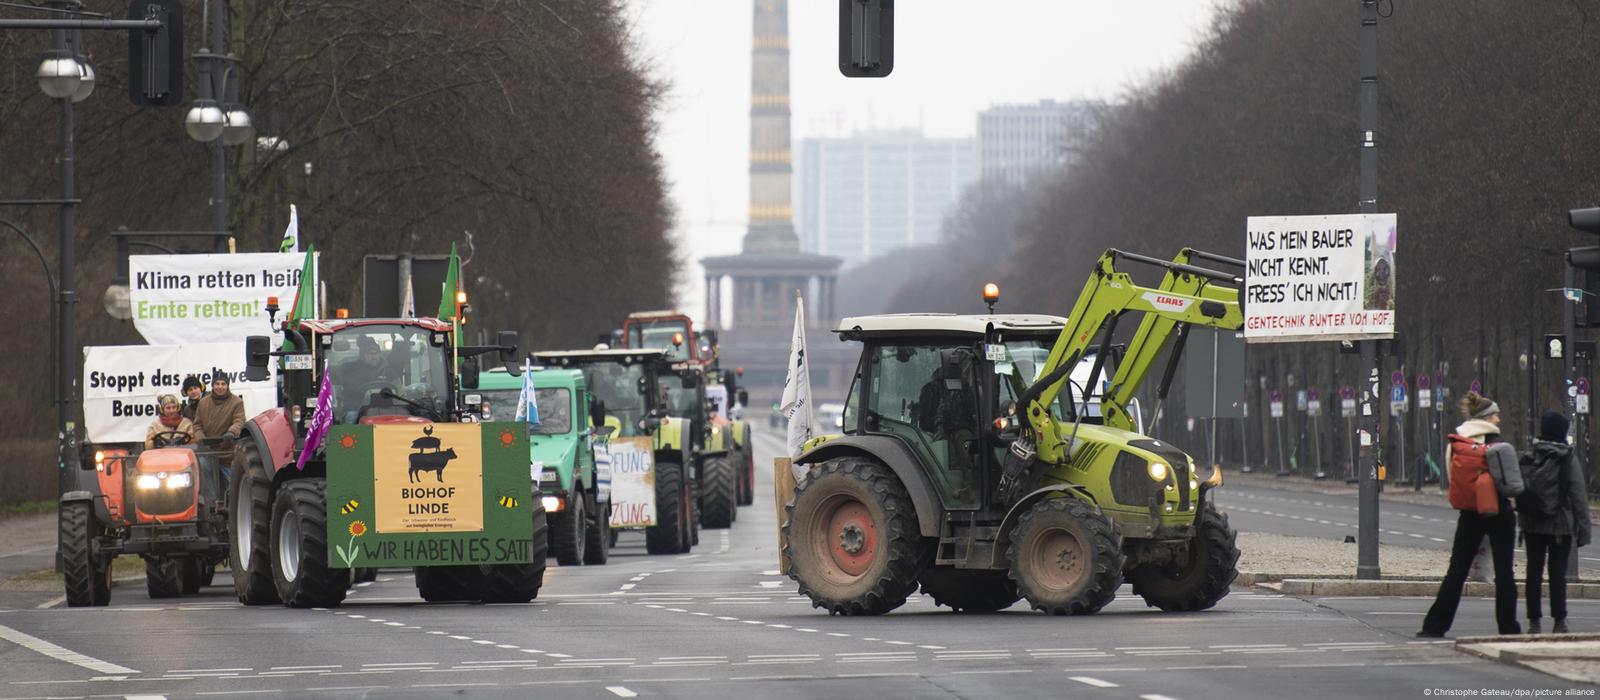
(1559,534)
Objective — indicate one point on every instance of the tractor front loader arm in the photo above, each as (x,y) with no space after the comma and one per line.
(1187,296)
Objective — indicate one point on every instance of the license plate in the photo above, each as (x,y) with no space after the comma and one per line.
(293,362)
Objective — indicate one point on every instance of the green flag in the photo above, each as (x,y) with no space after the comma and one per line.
(305,298)
(447,302)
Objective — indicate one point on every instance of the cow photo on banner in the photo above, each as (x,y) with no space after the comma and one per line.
(181,299)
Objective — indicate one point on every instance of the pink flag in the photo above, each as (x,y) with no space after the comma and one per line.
(321,420)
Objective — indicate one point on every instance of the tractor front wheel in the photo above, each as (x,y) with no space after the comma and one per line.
(520,583)
(1066,557)
(163,577)
(970,591)
(1204,579)
(250,507)
(300,568)
(720,501)
(442,584)
(567,531)
(87,577)
(670,534)
(598,536)
(192,574)
(853,540)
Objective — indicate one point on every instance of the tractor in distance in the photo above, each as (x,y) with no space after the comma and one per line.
(971,464)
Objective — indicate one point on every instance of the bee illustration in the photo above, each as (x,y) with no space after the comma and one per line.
(349,506)
(508,501)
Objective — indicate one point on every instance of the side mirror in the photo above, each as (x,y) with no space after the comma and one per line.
(257,353)
(597,412)
(690,380)
(507,340)
(744,397)
(469,372)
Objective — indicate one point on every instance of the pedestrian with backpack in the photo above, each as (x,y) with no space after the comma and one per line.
(1554,513)
(1484,477)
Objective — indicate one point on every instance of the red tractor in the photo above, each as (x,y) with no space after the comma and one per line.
(164,504)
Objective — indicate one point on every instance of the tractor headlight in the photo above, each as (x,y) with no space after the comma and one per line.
(181,480)
(1158,471)
(553,504)
(147,481)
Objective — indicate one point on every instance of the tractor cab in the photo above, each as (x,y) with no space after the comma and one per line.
(669,331)
(627,382)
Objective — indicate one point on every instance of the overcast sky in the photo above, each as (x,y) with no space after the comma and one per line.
(953,58)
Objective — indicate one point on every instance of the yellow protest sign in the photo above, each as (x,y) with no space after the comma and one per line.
(427,477)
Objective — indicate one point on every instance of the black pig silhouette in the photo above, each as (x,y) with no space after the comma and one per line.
(430,462)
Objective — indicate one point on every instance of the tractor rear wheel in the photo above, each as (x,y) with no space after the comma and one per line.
(970,590)
(692,493)
(87,577)
(1066,557)
(853,540)
(191,574)
(208,573)
(670,533)
(597,535)
(747,470)
(366,574)
(163,577)
(720,501)
(1204,579)
(250,507)
(567,531)
(442,584)
(520,583)
(300,568)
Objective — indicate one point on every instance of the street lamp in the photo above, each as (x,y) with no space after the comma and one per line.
(59,74)
(85,81)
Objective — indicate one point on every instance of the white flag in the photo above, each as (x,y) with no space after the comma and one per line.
(797,388)
(291,234)
(527,399)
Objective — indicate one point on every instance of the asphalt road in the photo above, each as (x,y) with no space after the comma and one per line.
(721,623)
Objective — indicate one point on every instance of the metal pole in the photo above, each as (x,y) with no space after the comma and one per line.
(1569,333)
(219,156)
(1367,547)
(67,345)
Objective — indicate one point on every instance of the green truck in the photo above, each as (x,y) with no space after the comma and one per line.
(562,456)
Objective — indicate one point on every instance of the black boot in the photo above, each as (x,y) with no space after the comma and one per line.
(1533,625)
(1560,626)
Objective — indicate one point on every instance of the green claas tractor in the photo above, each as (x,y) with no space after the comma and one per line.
(972,465)
(637,388)
(727,458)
(403,477)
(575,492)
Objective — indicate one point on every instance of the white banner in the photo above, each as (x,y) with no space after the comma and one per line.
(121,384)
(1319,277)
(181,299)
(633,483)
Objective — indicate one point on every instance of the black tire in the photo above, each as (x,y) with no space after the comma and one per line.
(613,537)
(366,574)
(163,577)
(670,533)
(747,470)
(598,536)
(443,584)
(300,568)
(250,513)
(1066,557)
(1210,571)
(87,577)
(567,531)
(719,502)
(520,583)
(208,573)
(853,542)
(192,571)
(969,590)
(692,496)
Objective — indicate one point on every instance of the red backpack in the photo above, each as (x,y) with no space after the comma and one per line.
(1471,486)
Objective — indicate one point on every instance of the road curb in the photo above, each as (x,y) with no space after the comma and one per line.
(1570,657)
(1404,587)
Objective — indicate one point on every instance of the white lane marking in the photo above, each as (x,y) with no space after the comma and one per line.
(628,587)
(1155,696)
(59,653)
(919,646)
(298,668)
(772,572)
(52,602)
(1015,670)
(144,697)
(1096,682)
(771,584)
(621,692)
(236,692)
(397,663)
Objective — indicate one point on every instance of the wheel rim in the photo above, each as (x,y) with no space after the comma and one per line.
(1059,559)
(244,521)
(289,547)
(846,538)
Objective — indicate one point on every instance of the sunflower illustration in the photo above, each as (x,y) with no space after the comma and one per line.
(347,441)
(358,528)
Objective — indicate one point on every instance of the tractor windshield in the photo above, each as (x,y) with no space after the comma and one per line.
(555,408)
(657,335)
(388,370)
(1024,359)
(681,402)
(617,385)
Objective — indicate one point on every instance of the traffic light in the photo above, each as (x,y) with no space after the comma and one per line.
(1587,260)
(155,58)
(866,38)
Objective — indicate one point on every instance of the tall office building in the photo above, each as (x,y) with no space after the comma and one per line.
(864,195)
(1016,141)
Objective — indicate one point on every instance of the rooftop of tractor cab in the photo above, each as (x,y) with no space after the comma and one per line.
(941,324)
(335,325)
(565,357)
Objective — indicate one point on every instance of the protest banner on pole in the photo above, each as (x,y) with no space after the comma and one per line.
(1319,278)
(121,384)
(181,299)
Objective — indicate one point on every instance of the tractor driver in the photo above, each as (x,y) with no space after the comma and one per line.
(170,427)
(357,377)
(945,413)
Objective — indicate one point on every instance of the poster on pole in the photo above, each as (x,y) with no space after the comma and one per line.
(633,483)
(179,299)
(1319,278)
(121,384)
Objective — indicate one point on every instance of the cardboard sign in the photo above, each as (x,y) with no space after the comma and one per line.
(1319,277)
(122,382)
(178,299)
(428,494)
(633,483)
